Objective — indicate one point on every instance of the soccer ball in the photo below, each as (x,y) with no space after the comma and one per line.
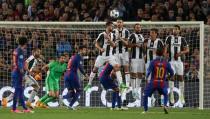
(114,13)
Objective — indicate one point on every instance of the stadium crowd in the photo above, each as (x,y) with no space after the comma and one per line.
(98,10)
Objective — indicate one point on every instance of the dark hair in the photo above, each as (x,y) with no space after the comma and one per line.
(177,26)
(108,23)
(62,55)
(155,30)
(35,49)
(81,47)
(22,41)
(136,24)
(119,18)
(160,51)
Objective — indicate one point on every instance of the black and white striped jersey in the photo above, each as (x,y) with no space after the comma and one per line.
(175,45)
(103,42)
(151,48)
(137,52)
(32,62)
(123,33)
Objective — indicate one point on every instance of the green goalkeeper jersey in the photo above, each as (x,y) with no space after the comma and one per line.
(56,70)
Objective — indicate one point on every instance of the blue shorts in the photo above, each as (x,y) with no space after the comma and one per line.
(150,88)
(17,79)
(108,83)
(71,80)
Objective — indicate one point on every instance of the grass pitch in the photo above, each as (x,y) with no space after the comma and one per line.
(106,113)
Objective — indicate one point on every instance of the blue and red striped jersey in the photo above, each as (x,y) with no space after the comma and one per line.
(75,63)
(19,56)
(158,69)
(106,71)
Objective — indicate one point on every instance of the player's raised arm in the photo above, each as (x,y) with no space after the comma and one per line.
(99,41)
(131,38)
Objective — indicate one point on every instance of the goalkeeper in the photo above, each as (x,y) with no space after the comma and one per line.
(56,70)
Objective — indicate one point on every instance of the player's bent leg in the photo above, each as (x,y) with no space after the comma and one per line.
(98,63)
(91,77)
(32,95)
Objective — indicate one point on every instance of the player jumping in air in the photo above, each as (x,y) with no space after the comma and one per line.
(105,43)
(108,82)
(71,78)
(158,68)
(56,69)
(18,72)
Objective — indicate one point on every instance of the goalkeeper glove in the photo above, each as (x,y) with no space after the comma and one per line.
(87,87)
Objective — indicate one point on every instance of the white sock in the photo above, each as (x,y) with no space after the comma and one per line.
(10,97)
(127,79)
(138,87)
(133,83)
(162,99)
(119,77)
(138,83)
(171,86)
(91,77)
(181,87)
(123,96)
(32,95)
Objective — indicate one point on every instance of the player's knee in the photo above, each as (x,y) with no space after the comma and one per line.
(95,69)
(36,87)
(116,90)
(78,90)
(117,67)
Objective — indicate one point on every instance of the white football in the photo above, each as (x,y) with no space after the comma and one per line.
(114,13)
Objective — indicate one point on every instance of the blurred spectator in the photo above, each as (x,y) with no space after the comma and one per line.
(98,10)
(47,49)
(63,45)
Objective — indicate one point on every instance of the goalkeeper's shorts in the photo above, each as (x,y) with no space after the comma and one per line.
(52,85)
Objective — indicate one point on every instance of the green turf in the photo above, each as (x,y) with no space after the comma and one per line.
(105,113)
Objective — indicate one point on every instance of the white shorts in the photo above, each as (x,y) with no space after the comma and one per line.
(137,65)
(30,81)
(122,58)
(178,67)
(100,60)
